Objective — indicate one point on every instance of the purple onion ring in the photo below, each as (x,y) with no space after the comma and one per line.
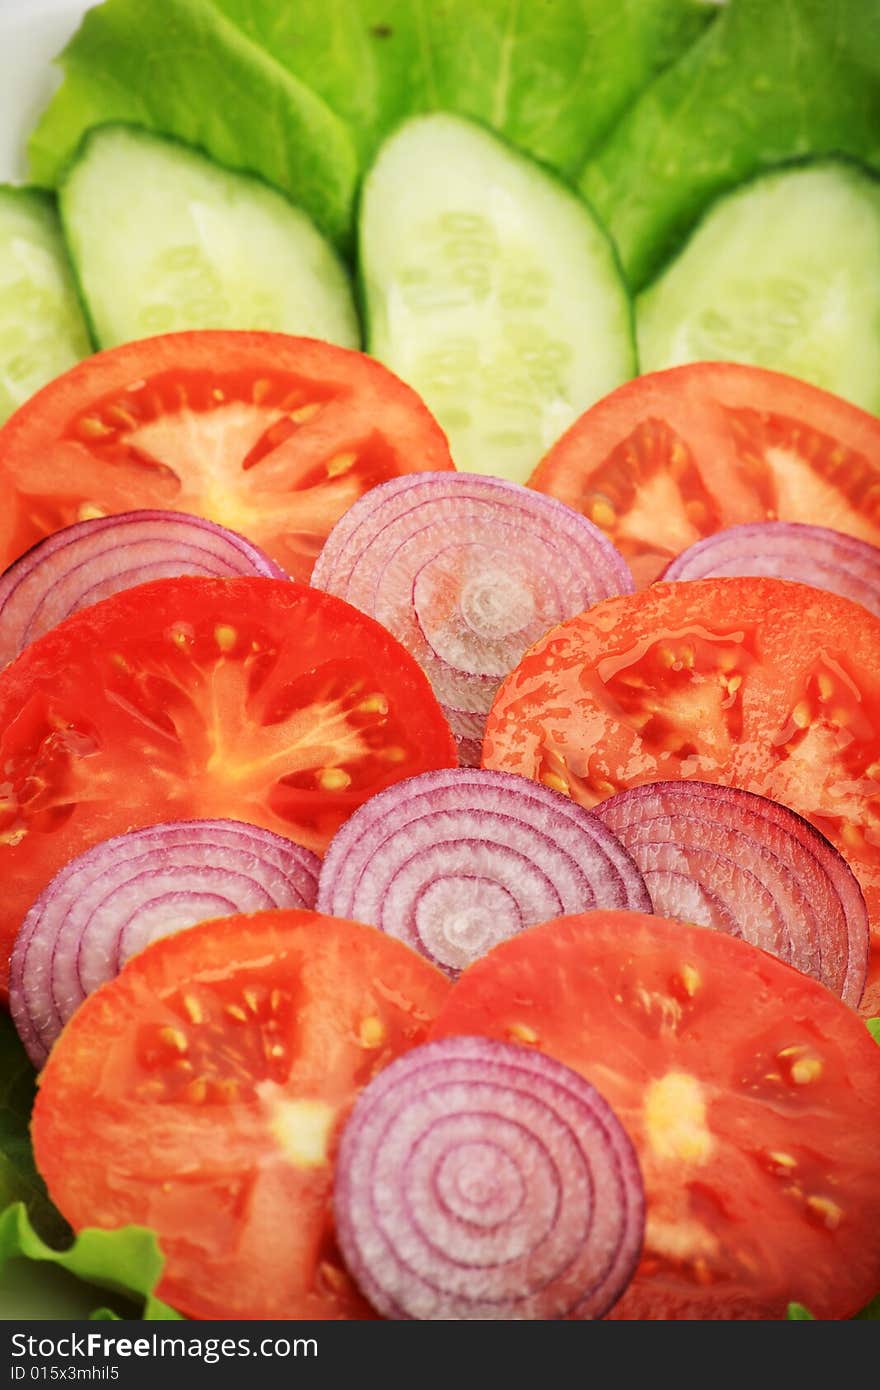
(453,862)
(467,572)
(477,1179)
(787,550)
(729,859)
(112,901)
(87,562)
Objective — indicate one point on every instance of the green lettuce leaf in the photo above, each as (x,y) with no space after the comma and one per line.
(44,1272)
(19,1179)
(181,67)
(798,1313)
(764,84)
(874,1028)
(552,77)
(126,1262)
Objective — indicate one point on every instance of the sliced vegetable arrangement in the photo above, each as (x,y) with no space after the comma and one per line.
(529,1184)
(252,699)
(753,683)
(112,901)
(751,1094)
(454,862)
(81,564)
(270,435)
(676,456)
(727,859)
(211,1144)
(467,573)
(469,926)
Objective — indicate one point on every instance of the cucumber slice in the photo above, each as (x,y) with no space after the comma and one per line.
(784,273)
(163,239)
(491,289)
(42,329)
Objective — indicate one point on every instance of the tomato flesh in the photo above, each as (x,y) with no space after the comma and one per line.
(254,699)
(754,683)
(676,455)
(751,1093)
(202,1093)
(272,436)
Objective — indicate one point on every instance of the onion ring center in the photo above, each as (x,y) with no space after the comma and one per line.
(459,918)
(480,1184)
(469,600)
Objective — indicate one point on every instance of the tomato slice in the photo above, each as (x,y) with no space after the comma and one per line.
(676,455)
(752,1095)
(270,435)
(202,1093)
(754,683)
(254,699)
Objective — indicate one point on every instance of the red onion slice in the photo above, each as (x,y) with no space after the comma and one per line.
(729,859)
(85,563)
(787,550)
(115,899)
(453,862)
(467,572)
(481,1180)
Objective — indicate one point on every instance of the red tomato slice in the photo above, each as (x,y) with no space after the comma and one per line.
(675,455)
(754,683)
(752,1095)
(202,1091)
(270,435)
(256,699)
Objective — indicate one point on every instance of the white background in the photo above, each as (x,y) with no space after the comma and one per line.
(32,32)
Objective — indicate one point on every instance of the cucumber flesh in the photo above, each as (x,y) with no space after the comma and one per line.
(42,329)
(491,289)
(163,239)
(784,273)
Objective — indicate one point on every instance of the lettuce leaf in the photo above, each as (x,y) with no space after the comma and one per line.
(303,91)
(63,1282)
(798,1313)
(765,83)
(552,77)
(19,1179)
(126,1262)
(182,68)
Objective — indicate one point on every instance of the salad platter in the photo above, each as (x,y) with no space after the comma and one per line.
(440,660)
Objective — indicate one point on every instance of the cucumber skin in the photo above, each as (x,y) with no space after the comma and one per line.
(833,161)
(765,84)
(47,203)
(682,241)
(308,152)
(80,153)
(563,185)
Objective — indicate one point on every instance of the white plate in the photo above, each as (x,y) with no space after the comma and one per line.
(32,32)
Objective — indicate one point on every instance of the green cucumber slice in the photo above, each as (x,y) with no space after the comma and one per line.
(42,329)
(163,239)
(784,273)
(491,289)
